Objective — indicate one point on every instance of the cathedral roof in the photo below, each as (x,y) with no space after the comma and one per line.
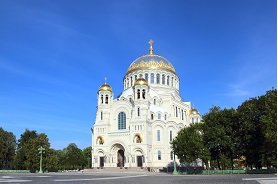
(151,61)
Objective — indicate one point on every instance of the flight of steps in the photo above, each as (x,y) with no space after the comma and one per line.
(116,169)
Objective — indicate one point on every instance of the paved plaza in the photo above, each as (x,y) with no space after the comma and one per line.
(126,178)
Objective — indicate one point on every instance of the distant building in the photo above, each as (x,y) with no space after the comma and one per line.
(136,128)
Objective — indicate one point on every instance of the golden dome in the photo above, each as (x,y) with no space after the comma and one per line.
(105,87)
(193,111)
(140,82)
(151,61)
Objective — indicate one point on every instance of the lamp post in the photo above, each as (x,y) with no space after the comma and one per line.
(175,172)
(41,149)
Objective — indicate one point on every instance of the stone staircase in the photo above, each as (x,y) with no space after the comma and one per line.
(116,169)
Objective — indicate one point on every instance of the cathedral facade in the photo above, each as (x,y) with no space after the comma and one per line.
(136,128)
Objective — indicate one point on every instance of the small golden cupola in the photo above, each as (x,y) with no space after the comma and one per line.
(105,87)
(140,82)
(193,111)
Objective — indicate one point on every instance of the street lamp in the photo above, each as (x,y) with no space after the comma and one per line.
(41,149)
(175,172)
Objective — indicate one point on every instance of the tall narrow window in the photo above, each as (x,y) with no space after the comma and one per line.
(135,78)
(159,116)
(171,135)
(151,116)
(157,78)
(165,117)
(168,80)
(146,77)
(121,121)
(159,155)
(101,97)
(152,78)
(172,81)
(106,99)
(197,120)
(158,135)
(182,114)
(192,120)
(138,111)
(171,155)
(154,101)
(163,79)
(101,115)
(131,81)
(144,94)
(176,111)
(138,93)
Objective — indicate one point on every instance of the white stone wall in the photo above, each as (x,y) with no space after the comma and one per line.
(167,103)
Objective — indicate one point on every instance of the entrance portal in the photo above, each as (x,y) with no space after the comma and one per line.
(139,161)
(101,162)
(121,158)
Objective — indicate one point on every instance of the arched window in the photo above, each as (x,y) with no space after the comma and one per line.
(197,120)
(151,116)
(159,155)
(101,115)
(159,116)
(154,101)
(101,97)
(158,135)
(131,81)
(168,81)
(176,111)
(121,121)
(165,117)
(146,77)
(152,78)
(135,78)
(138,111)
(157,78)
(163,79)
(171,135)
(144,94)
(172,81)
(106,99)
(138,93)
(192,120)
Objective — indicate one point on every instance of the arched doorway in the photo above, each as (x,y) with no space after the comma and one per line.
(121,158)
(118,156)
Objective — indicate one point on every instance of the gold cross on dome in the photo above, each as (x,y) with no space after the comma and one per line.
(151,46)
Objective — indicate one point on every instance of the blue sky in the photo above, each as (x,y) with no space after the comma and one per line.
(54,55)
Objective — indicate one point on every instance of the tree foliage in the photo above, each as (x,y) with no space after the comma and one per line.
(7,149)
(189,145)
(220,135)
(258,130)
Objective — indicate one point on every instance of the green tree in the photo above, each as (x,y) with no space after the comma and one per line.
(20,153)
(32,161)
(74,158)
(258,130)
(87,152)
(269,128)
(189,144)
(7,149)
(221,136)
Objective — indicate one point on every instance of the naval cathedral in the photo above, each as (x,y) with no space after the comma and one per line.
(136,128)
